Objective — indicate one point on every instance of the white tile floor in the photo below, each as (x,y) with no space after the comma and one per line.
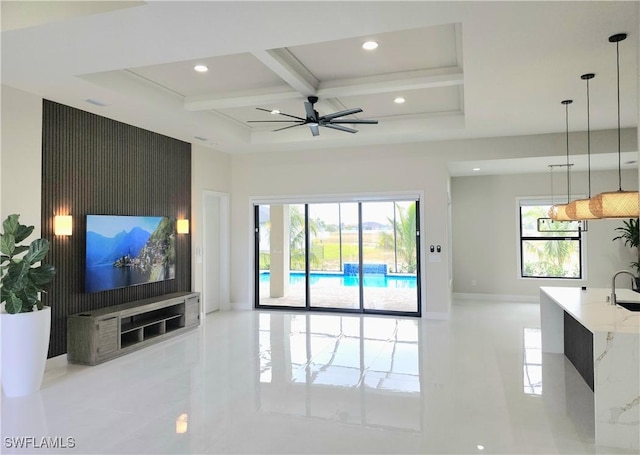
(280,382)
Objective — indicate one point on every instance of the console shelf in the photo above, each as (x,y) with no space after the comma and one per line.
(97,336)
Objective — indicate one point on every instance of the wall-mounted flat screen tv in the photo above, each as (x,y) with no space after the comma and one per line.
(128,250)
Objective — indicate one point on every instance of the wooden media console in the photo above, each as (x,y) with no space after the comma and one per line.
(100,335)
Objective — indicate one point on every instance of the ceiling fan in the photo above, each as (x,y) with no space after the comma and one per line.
(314,120)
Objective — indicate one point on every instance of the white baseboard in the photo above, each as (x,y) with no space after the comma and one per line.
(436,315)
(56,362)
(496,297)
(241,306)
(425,314)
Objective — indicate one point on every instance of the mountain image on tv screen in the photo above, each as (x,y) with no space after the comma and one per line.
(128,250)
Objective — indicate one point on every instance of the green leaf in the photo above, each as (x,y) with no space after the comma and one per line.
(7,244)
(15,280)
(20,249)
(29,297)
(37,251)
(14,304)
(42,275)
(22,282)
(23,232)
(10,225)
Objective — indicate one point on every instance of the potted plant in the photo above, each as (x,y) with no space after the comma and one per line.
(631,236)
(26,322)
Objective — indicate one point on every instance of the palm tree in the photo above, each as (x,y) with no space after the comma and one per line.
(297,238)
(553,256)
(404,240)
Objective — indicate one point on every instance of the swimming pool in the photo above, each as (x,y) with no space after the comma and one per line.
(337,279)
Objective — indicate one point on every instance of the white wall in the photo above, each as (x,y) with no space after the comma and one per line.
(381,168)
(210,171)
(21,157)
(485,233)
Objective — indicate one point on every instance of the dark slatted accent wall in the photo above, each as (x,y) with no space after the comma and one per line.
(94,165)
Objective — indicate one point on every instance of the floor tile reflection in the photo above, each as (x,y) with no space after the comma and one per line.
(341,368)
(286,382)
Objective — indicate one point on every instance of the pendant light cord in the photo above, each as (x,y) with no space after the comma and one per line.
(553,202)
(588,139)
(568,181)
(618,80)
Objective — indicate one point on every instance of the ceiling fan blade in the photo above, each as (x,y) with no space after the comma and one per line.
(280,113)
(355,110)
(290,126)
(271,121)
(339,127)
(311,113)
(356,122)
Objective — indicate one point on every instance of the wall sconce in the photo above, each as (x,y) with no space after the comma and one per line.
(182,226)
(63,225)
(182,423)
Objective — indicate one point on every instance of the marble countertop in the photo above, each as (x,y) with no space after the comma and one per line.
(591,309)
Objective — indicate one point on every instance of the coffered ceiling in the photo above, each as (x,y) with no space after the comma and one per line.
(465,69)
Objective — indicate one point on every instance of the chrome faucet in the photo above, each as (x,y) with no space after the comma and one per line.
(613,284)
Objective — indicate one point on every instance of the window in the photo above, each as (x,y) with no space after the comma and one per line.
(548,249)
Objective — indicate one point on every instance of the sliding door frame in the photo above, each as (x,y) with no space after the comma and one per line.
(415,196)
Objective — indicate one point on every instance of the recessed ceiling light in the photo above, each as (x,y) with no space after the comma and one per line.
(275,111)
(201,68)
(476,169)
(399,100)
(480,447)
(369,45)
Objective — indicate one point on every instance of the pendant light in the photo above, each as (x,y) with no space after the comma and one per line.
(558,212)
(616,204)
(579,209)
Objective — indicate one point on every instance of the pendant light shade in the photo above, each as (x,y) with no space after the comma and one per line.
(616,204)
(580,208)
(559,212)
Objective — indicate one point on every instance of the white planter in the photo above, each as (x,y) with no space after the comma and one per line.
(25,342)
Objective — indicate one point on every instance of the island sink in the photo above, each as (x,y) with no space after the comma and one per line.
(631,306)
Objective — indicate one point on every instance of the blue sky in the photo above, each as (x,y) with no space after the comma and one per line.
(112,225)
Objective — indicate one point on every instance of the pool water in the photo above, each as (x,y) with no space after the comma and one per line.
(335,280)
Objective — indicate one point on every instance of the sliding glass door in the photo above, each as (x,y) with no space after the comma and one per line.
(281,255)
(345,256)
(333,229)
(390,256)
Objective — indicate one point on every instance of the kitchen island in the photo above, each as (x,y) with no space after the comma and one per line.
(603,342)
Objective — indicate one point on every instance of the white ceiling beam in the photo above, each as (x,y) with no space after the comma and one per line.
(409,80)
(286,66)
(258,97)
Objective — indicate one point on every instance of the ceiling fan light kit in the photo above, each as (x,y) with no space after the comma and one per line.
(333,121)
